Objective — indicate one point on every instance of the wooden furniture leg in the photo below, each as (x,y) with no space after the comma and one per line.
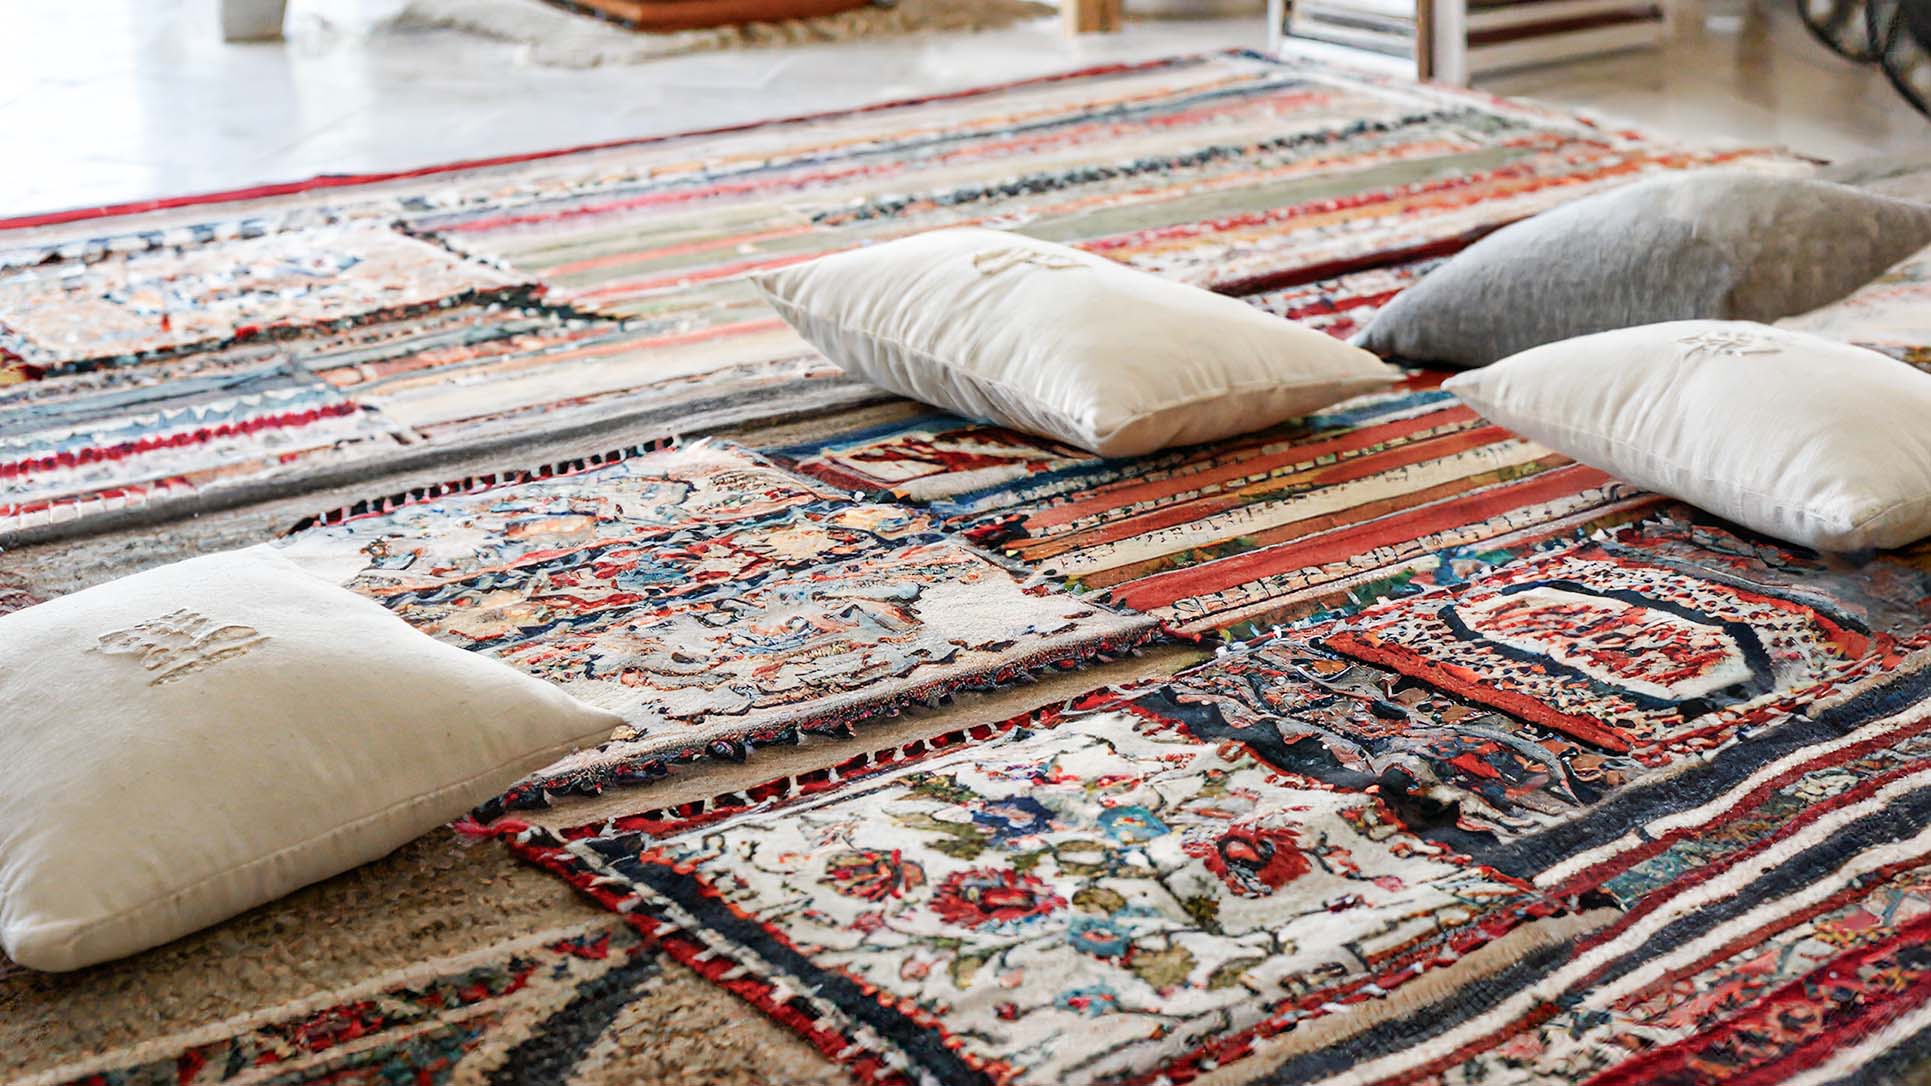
(252,20)
(1091,16)
(1424,40)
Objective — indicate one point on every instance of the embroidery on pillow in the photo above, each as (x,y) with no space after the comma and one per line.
(1726,343)
(179,644)
(994,261)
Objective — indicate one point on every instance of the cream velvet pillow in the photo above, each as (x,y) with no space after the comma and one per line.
(1806,439)
(189,742)
(1055,341)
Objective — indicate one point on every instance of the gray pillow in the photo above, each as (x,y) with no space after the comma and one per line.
(1722,245)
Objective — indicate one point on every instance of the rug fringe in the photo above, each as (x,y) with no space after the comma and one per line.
(842,724)
(469,484)
(687,814)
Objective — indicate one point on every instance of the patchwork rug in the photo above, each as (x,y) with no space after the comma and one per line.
(1104,899)
(1648,807)
(1493,713)
(710,598)
(1891,314)
(181,356)
(1769,926)
(1544,779)
(1382,493)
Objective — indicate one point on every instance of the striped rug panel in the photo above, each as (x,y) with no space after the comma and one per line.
(1774,933)
(406,321)
(1387,492)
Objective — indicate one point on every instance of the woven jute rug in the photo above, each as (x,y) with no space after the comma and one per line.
(555,36)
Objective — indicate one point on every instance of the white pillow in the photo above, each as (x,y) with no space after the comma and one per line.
(195,740)
(1806,439)
(1054,341)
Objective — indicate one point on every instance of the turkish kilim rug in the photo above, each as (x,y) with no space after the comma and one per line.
(1506,772)
(183,355)
(1645,808)
(1493,712)
(711,599)
(1382,493)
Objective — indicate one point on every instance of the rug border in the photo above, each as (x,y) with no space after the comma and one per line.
(552,850)
(549,850)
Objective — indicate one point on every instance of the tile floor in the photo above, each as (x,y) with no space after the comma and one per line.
(1767,81)
(111,100)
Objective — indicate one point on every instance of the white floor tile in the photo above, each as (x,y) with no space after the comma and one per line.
(124,99)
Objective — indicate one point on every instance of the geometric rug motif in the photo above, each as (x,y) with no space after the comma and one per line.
(710,599)
(1654,637)
(623,270)
(1233,170)
(1384,493)
(1778,930)
(1104,899)
(132,377)
(1452,771)
(1515,789)
(72,448)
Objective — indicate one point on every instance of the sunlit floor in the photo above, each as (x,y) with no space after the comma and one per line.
(1768,81)
(111,100)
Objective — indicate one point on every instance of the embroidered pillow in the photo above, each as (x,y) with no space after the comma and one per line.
(195,740)
(1806,439)
(1055,341)
(1724,245)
